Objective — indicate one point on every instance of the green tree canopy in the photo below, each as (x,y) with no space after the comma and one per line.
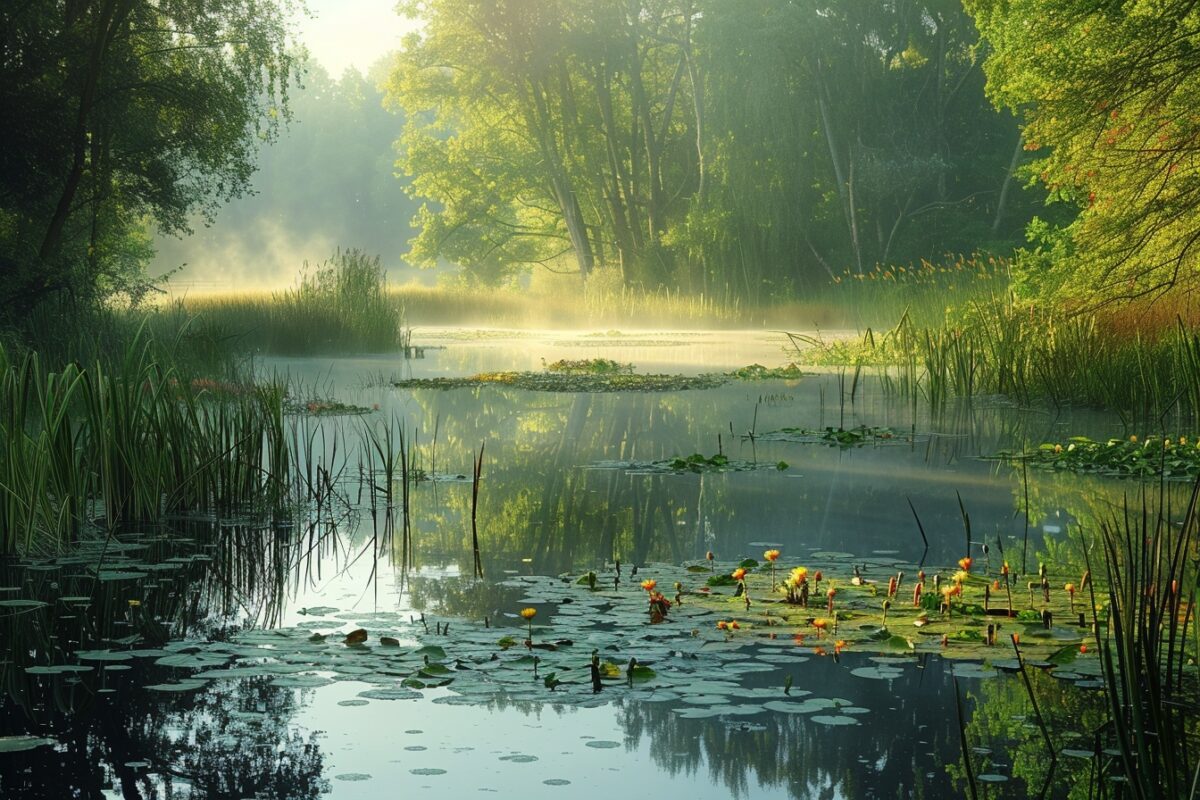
(749,148)
(1107,91)
(123,112)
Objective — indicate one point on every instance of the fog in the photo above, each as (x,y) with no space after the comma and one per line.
(327,182)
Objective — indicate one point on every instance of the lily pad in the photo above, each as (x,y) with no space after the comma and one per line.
(17,744)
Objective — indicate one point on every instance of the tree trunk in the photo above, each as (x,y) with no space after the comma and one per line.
(110,17)
(845,194)
(1008,177)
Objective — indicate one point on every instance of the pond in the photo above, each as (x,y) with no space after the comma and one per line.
(356,655)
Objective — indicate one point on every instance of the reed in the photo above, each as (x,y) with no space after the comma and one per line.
(1003,346)
(341,305)
(131,442)
(1147,645)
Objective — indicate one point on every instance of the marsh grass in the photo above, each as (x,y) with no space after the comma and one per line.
(1148,649)
(127,442)
(1003,346)
(341,305)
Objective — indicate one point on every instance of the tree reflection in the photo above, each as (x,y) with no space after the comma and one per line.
(229,739)
(1001,725)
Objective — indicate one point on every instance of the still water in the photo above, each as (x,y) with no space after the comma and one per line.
(565,487)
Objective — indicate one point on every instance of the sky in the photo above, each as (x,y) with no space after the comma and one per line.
(352,33)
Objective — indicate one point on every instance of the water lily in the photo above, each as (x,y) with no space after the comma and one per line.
(797,586)
(891,586)
(722,625)
(528,614)
(709,558)
(820,625)
(917,594)
(1070,589)
(965,563)
(738,574)
(649,585)
(829,595)
(772,556)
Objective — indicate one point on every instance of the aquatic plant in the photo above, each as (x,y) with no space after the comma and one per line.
(591,366)
(340,305)
(771,556)
(136,438)
(1003,345)
(1168,457)
(528,614)
(1149,643)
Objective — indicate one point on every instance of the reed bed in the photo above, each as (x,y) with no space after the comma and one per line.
(1004,346)
(1148,645)
(343,305)
(130,442)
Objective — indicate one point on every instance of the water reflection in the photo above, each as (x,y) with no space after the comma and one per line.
(546,510)
(899,749)
(544,507)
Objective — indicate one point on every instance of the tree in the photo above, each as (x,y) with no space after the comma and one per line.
(748,148)
(124,112)
(1107,94)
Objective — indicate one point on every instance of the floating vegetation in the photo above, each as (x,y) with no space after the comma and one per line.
(579,645)
(571,382)
(834,437)
(589,366)
(695,463)
(325,408)
(1170,457)
(601,375)
(757,372)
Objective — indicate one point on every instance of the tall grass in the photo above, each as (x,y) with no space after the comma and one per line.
(342,305)
(1002,346)
(130,442)
(1148,649)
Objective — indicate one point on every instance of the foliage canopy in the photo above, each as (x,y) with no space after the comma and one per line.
(750,148)
(1107,93)
(124,112)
